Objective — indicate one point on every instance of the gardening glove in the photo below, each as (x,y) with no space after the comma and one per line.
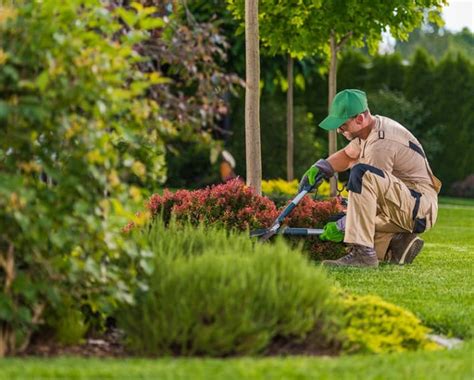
(309,178)
(333,232)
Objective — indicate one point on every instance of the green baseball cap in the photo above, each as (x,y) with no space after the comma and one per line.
(346,104)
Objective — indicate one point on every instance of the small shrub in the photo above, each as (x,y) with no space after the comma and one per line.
(70,328)
(217,293)
(376,326)
(232,205)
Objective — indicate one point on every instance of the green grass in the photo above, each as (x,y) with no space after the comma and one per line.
(437,287)
(454,364)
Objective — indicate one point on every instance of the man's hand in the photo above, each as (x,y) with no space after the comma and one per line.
(309,178)
(332,233)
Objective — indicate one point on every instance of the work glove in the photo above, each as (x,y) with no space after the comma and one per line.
(332,233)
(309,178)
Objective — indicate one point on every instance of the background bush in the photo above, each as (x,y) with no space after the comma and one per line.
(217,293)
(78,139)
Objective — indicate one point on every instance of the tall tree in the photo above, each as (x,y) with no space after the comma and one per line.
(284,32)
(252,97)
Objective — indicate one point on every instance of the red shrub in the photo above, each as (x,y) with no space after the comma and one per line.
(313,214)
(233,205)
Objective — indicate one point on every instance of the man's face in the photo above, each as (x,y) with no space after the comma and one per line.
(351,128)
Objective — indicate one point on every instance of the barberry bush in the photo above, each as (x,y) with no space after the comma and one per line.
(232,205)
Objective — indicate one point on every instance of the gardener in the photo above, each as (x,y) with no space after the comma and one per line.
(393,194)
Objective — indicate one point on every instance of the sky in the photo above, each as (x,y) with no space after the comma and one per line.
(458,14)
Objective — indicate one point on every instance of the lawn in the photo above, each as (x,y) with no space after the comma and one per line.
(437,287)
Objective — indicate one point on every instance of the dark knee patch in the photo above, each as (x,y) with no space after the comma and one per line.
(357,172)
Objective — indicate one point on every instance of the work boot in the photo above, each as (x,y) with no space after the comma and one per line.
(358,256)
(403,248)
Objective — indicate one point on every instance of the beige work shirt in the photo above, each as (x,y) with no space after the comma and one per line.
(393,148)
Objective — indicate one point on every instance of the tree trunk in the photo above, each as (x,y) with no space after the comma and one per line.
(7,333)
(252,97)
(289,122)
(332,92)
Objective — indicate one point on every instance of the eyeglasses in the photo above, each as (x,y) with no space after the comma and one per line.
(345,126)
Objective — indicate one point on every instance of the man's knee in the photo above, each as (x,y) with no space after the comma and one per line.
(356,177)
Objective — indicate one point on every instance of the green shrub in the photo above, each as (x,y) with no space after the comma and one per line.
(76,131)
(217,293)
(70,327)
(376,326)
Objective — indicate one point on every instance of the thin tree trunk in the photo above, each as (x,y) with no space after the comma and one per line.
(252,97)
(289,122)
(332,92)
(7,333)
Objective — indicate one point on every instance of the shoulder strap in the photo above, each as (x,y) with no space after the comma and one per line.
(407,140)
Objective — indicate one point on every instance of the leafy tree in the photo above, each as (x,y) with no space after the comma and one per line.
(79,138)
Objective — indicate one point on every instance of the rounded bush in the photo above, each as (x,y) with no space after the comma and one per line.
(376,326)
(217,294)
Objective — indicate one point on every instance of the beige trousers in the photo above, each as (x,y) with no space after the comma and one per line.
(381,205)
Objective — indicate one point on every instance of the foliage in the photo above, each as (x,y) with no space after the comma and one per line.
(283,26)
(189,162)
(234,296)
(66,324)
(376,326)
(451,105)
(192,56)
(412,114)
(386,72)
(463,188)
(235,206)
(273,128)
(353,70)
(232,205)
(79,137)
(437,42)
(282,187)
(419,76)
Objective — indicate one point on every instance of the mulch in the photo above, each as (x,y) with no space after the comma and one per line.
(110,345)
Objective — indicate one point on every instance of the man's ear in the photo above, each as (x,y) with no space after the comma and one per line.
(360,118)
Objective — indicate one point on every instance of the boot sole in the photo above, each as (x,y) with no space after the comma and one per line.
(329,263)
(411,251)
